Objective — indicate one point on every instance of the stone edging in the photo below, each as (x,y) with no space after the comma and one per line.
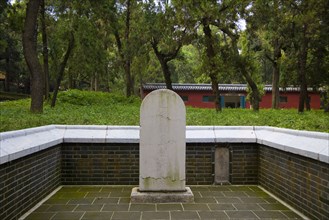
(17,144)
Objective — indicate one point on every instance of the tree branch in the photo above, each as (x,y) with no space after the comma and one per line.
(269,58)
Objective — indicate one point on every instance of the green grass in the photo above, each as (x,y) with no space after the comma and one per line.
(96,108)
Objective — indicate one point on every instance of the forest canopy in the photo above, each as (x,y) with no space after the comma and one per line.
(117,45)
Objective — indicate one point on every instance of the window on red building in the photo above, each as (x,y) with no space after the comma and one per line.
(283,99)
(184,97)
(208,98)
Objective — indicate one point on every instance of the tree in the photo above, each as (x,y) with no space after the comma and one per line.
(126,55)
(123,39)
(31,55)
(291,36)
(44,48)
(87,67)
(166,34)
(11,57)
(62,68)
(308,21)
(242,62)
(187,67)
(121,43)
(268,24)
(164,58)
(202,14)
(212,68)
(224,15)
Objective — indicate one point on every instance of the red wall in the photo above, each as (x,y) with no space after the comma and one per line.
(292,102)
(195,99)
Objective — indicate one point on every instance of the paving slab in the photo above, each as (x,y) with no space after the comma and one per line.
(221,207)
(241,215)
(94,208)
(116,207)
(270,214)
(97,215)
(195,207)
(142,207)
(205,200)
(61,208)
(68,216)
(211,202)
(155,215)
(213,215)
(40,216)
(184,215)
(126,215)
(100,200)
(170,207)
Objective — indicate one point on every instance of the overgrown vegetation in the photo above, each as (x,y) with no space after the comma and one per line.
(97,108)
(117,45)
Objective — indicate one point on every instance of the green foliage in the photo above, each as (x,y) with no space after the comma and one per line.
(100,30)
(98,108)
(73,107)
(285,118)
(11,57)
(187,67)
(84,98)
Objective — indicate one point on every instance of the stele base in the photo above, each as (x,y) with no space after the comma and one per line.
(161,197)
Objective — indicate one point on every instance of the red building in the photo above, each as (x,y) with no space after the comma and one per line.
(233,95)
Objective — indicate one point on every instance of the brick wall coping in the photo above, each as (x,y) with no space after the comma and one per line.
(17,144)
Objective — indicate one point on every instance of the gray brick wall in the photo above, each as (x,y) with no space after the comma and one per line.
(199,167)
(244,163)
(301,182)
(26,181)
(100,164)
(112,164)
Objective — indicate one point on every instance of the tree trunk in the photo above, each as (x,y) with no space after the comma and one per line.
(96,81)
(71,80)
(107,87)
(129,84)
(127,55)
(302,59)
(62,68)
(255,91)
(302,93)
(31,55)
(7,76)
(326,104)
(164,58)
(91,83)
(210,52)
(276,75)
(275,87)
(165,69)
(308,102)
(241,65)
(45,49)
(167,74)
(214,87)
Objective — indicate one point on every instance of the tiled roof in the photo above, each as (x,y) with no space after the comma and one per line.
(207,87)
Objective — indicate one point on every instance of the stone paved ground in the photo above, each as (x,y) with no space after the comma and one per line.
(113,202)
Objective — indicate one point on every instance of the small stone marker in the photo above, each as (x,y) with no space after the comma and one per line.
(162,150)
(222,165)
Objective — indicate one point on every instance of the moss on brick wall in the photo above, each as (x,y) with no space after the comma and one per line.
(301,182)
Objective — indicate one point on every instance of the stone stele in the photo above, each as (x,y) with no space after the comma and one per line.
(162,149)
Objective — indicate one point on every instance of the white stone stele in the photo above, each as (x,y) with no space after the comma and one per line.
(162,149)
(162,142)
